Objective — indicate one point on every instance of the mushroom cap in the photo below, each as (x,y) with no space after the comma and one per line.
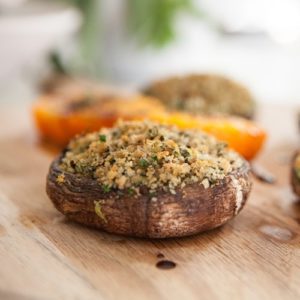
(191,210)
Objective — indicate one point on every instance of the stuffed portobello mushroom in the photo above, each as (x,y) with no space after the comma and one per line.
(295,173)
(148,180)
(204,94)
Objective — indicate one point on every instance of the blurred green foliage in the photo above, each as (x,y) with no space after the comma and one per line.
(90,25)
(149,22)
(152,21)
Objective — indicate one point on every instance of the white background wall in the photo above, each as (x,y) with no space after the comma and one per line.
(267,60)
(271,68)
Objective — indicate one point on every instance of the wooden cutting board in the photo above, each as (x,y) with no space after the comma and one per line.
(43,256)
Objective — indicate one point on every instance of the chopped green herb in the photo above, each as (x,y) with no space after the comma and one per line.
(106,188)
(131,191)
(102,137)
(143,163)
(154,159)
(79,168)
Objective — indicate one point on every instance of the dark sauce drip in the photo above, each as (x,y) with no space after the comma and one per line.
(263,175)
(160,255)
(165,264)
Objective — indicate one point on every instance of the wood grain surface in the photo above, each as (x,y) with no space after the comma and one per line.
(43,256)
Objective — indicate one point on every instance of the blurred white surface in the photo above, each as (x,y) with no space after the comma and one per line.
(280,19)
(269,67)
(29,32)
(8,4)
(271,70)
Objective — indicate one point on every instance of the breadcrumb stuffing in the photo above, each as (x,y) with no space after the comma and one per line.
(204,94)
(137,154)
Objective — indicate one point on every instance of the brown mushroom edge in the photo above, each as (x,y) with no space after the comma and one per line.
(294,176)
(191,210)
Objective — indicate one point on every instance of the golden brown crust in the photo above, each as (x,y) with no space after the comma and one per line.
(295,180)
(191,210)
(204,94)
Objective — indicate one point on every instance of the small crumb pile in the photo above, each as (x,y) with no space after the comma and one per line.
(144,154)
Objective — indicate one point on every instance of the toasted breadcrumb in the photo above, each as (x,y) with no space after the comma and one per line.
(204,94)
(145,154)
(60,178)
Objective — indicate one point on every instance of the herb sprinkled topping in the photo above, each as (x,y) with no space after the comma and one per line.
(135,155)
(208,94)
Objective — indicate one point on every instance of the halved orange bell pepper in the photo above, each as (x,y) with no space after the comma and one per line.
(242,135)
(59,120)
